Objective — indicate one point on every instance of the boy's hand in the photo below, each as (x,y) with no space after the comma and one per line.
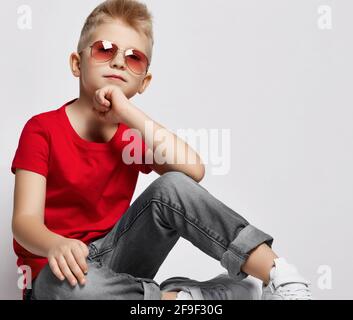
(67,259)
(109,104)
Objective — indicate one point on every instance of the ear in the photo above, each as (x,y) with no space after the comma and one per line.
(145,83)
(75,61)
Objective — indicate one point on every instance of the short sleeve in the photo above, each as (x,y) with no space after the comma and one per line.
(33,149)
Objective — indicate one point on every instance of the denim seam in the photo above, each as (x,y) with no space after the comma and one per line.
(236,254)
(111,247)
(131,277)
(234,245)
(170,207)
(118,274)
(188,219)
(93,254)
(234,249)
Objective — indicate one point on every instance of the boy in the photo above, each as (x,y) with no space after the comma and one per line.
(73,223)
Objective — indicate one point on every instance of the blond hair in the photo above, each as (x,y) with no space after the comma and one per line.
(132,12)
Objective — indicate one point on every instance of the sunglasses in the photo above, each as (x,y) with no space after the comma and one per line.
(104,51)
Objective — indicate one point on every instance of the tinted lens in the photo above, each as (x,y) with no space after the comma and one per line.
(136,61)
(103,50)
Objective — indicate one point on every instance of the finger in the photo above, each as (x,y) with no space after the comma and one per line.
(98,100)
(102,100)
(84,248)
(80,258)
(66,270)
(74,267)
(53,264)
(99,103)
(101,97)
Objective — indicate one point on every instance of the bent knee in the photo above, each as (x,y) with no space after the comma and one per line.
(101,283)
(48,287)
(173,180)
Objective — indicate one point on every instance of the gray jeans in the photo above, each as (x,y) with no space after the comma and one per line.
(123,263)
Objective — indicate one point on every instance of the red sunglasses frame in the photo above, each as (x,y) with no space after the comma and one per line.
(117,52)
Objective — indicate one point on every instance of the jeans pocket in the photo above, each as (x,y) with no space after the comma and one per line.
(92,251)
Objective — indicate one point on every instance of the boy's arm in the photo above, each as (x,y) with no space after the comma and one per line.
(66,256)
(176,147)
(28,215)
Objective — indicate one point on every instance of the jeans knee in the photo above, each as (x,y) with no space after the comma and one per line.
(48,287)
(101,283)
(176,184)
(173,175)
(172,179)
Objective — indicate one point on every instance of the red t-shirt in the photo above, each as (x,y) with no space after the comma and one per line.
(89,187)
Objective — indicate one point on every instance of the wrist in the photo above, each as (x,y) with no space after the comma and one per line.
(125,112)
(52,242)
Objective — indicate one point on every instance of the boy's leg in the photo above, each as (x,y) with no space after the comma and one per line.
(260,262)
(174,205)
(101,283)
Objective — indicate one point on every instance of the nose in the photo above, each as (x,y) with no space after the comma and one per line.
(119,60)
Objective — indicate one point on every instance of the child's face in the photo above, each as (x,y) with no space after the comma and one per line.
(92,73)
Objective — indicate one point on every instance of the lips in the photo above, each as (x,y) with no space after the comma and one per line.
(114,76)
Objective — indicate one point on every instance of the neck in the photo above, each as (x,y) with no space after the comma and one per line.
(83,106)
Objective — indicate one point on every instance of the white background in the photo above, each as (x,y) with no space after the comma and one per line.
(264,70)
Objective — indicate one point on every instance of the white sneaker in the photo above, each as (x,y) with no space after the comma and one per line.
(286,283)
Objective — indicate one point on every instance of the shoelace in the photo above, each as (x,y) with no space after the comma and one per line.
(295,291)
